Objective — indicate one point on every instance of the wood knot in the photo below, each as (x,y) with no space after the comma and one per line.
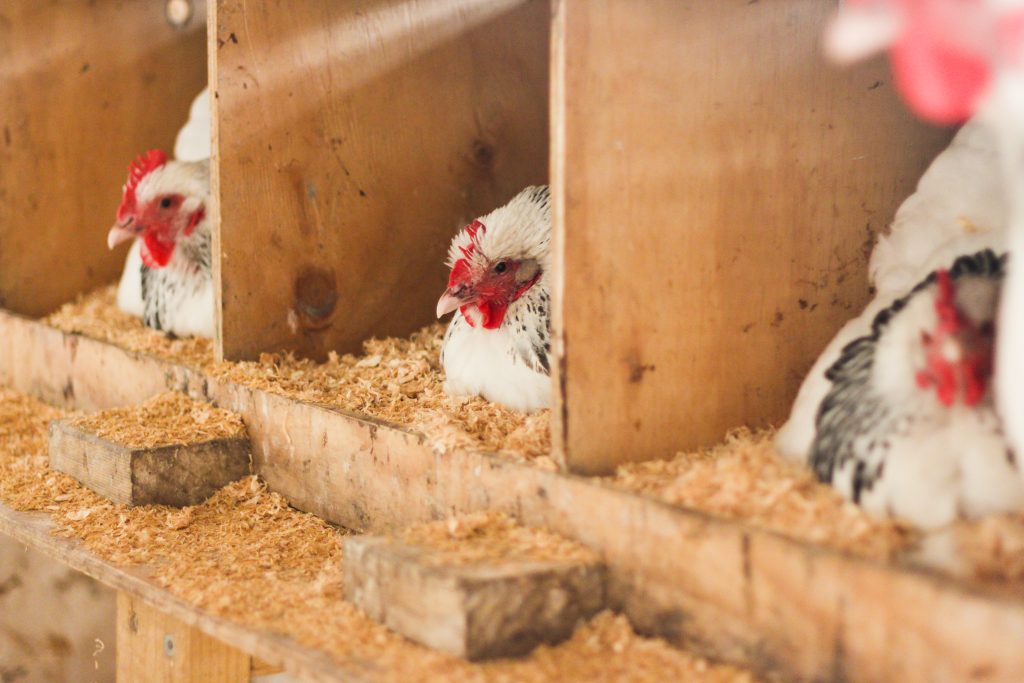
(483,154)
(316,296)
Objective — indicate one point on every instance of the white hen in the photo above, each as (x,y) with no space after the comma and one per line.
(192,144)
(958,208)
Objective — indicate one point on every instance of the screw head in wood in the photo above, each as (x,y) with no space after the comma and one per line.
(169,645)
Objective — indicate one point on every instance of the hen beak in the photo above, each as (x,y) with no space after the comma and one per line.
(122,232)
(453,299)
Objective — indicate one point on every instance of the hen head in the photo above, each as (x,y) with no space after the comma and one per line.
(161,203)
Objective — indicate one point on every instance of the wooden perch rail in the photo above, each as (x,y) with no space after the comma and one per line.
(730,591)
(274,651)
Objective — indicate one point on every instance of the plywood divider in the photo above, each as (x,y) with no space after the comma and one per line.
(717,189)
(727,590)
(354,139)
(86,86)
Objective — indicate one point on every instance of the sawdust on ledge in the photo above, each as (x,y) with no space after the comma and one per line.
(169,419)
(489,537)
(400,380)
(745,479)
(96,315)
(245,555)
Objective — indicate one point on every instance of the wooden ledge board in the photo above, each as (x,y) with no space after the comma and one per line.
(34,529)
(721,588)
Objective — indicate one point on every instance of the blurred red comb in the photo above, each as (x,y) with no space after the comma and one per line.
(143,165)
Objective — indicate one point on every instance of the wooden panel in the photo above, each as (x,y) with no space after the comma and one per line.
(501,608)
(155,647)
(727,590)
(87,85)
(354,139)
(717,190)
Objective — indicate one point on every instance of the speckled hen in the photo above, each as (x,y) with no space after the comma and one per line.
(498,342)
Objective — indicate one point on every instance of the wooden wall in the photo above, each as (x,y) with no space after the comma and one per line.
(85,86)
(354,139)
(717,191)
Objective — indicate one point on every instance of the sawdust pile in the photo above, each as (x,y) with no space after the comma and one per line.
(245,555)
(401,381)
(96,315)
(485,537)
(745,479)
(165,420)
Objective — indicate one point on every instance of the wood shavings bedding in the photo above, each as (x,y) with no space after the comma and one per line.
(488,537)
(400,381)
(246,555)
(397,380)
(165,420)
(96,315)
(745,479)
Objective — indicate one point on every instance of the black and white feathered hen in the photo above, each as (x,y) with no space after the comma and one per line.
(164,208)
(908,427)
(498,342)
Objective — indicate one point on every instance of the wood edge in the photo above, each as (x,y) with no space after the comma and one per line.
(213,83)
(556,110)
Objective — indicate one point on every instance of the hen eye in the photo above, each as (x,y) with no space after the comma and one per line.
(165,203)
(500,267)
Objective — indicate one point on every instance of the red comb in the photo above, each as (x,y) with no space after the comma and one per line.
(143,165)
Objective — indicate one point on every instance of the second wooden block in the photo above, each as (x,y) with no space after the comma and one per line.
(475,611)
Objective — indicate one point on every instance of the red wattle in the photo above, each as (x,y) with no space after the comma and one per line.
(156,253)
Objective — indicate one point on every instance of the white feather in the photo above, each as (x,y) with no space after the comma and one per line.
(129,289)
(958,208)
(479,362)
(193,141)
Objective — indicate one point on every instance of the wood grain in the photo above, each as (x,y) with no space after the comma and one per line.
(497,609)
(178,475)
(155,647)
(354,139)
(86,87)
(717,190)
(727,590)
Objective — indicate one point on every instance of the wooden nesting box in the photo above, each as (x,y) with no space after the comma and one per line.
(178,475)
(478,611)
(717,189)
(87,86)
(353,139)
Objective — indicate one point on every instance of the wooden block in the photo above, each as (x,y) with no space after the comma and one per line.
(714,209)
(87,86)
(474,611)
(157,648)
(353,139)
(168,475)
